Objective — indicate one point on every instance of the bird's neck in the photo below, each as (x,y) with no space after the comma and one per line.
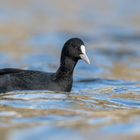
(66,68)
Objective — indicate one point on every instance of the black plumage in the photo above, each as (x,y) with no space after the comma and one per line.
(17,79)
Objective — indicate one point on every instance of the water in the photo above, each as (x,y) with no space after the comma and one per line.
(105,100)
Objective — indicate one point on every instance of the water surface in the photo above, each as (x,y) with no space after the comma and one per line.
(105,100)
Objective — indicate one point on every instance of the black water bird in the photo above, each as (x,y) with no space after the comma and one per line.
(18,79)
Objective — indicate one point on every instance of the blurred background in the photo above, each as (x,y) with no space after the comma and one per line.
(32,33)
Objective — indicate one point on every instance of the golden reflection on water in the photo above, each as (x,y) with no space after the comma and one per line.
(88,123)
(122,71)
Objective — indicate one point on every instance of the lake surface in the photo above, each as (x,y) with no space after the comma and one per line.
(105,100)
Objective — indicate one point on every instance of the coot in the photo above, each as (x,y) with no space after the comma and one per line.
(18,79)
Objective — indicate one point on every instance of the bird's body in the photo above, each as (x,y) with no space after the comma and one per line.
(17,79)
(33,80)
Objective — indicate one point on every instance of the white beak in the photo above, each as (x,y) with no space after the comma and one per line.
(84,56)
